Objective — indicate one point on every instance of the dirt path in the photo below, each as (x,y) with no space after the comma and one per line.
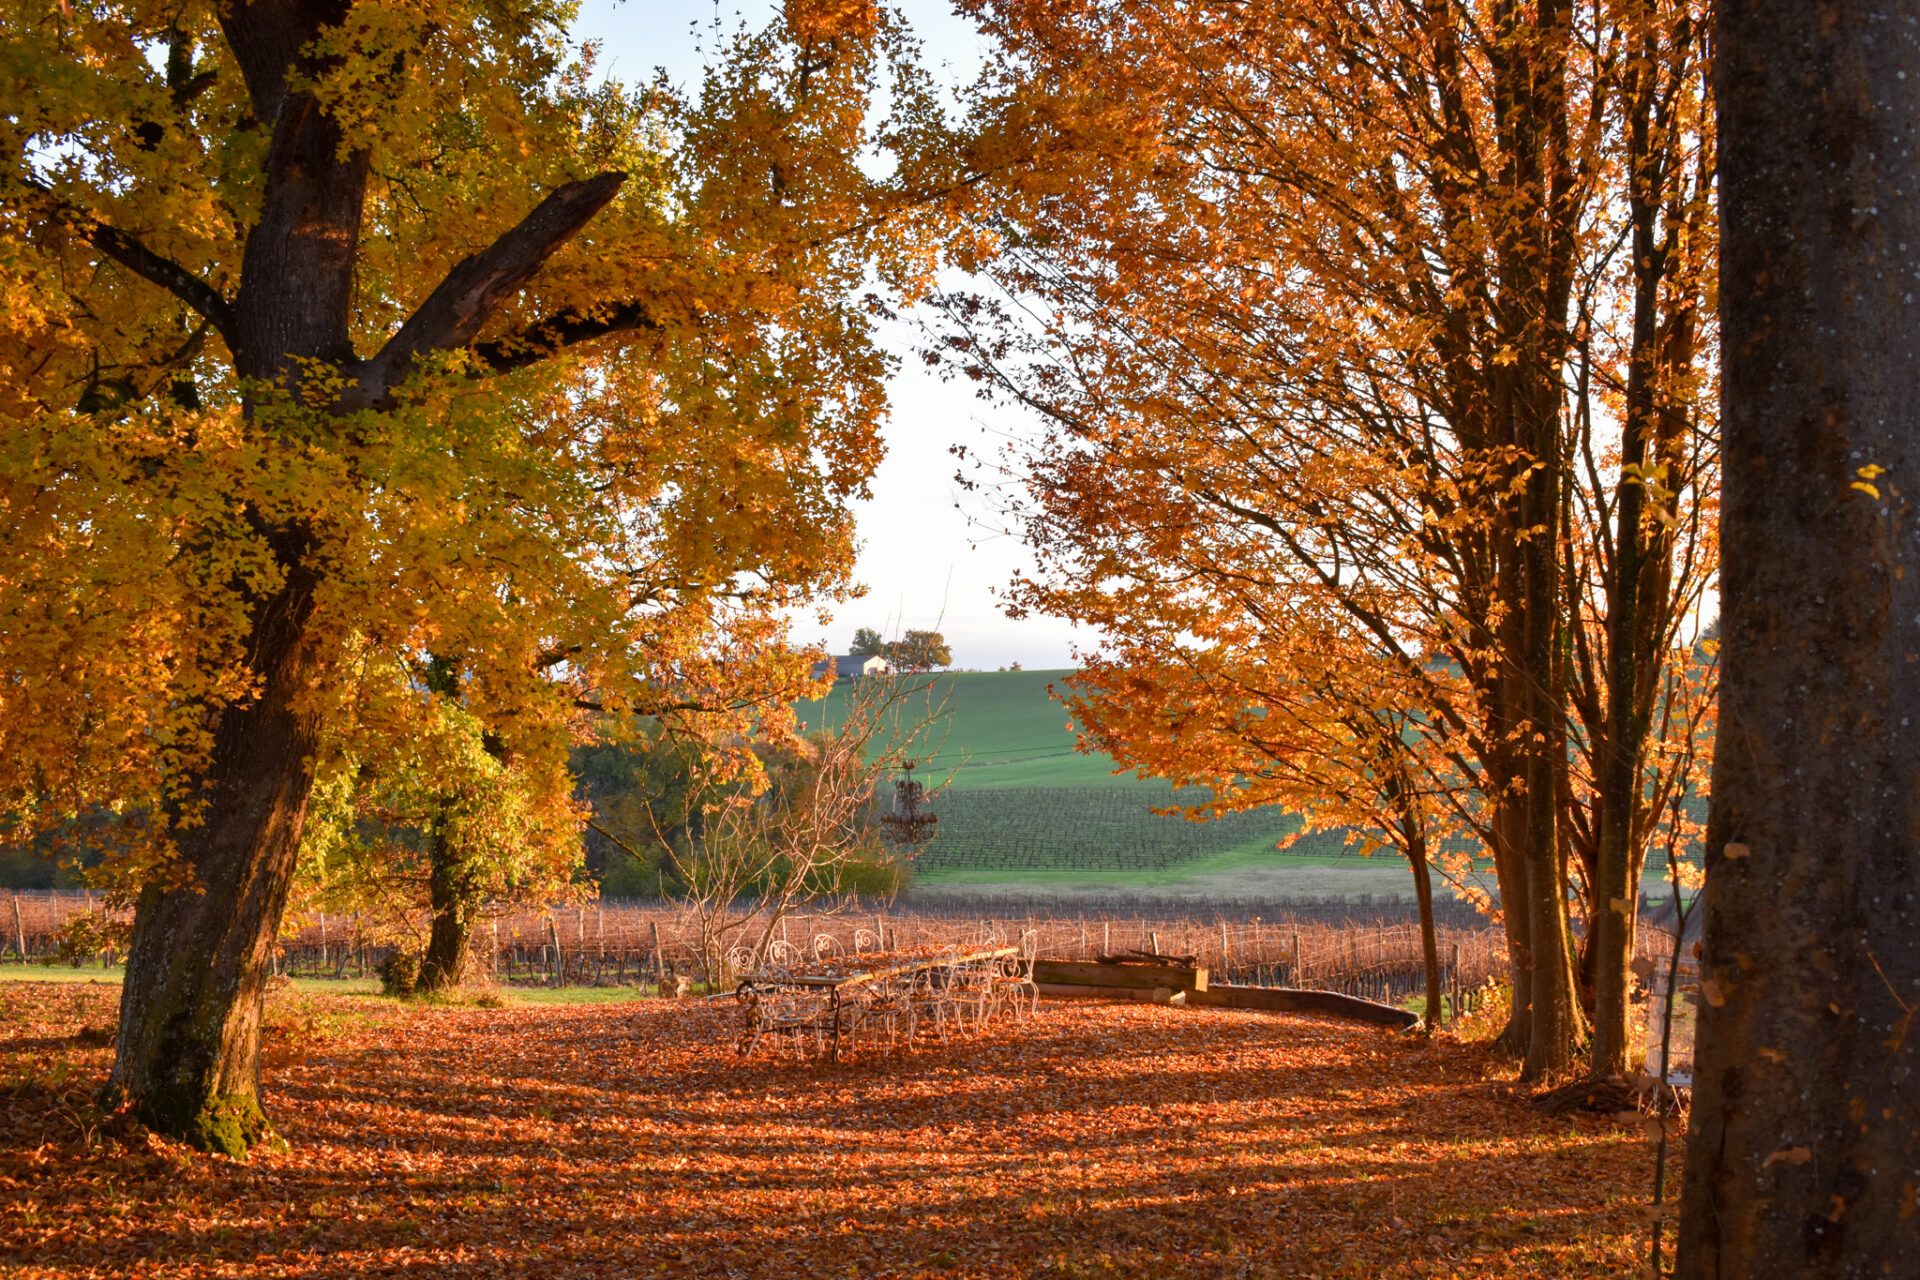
(610,1140)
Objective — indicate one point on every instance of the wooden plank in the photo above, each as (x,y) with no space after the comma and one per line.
(1067,972)
(1086,991)
(1293,1000)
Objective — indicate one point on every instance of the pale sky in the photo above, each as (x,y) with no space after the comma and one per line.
(930,555)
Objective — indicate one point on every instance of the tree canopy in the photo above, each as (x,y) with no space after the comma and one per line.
(343,333)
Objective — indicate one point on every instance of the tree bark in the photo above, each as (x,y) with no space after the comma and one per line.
(1801,1148)
(187,1055)
(187,1058)
(455,904)
(1416,848)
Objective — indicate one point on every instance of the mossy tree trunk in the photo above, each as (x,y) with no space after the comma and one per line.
(456,904)
(187,1055)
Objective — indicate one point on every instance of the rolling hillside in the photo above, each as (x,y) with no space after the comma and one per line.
(1018,802)
(1021,809)
(1002,730)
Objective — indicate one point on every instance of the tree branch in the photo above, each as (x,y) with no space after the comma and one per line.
(145,263)
(478,285)
(562,329)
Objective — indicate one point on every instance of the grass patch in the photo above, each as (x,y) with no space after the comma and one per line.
(506,996)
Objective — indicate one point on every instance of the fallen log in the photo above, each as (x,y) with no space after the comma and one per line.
(1086,991)
(1295,1000)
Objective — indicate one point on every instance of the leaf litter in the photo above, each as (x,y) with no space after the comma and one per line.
(1101,1140)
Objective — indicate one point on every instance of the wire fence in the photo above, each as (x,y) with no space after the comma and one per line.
(614,943)
(1354,946)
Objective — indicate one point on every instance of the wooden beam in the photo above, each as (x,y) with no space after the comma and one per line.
(1067,972)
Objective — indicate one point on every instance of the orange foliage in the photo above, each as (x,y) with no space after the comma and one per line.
(1101,1140)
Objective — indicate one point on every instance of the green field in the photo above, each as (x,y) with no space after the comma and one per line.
(1020,807)
(1001,729)
(1022,811)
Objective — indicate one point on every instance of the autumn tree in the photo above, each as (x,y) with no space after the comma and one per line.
(1800,1147)
(436,821)
(1318,730)
(1641,550)
(342,328)
(867,644)
(919,651)
(1306,295)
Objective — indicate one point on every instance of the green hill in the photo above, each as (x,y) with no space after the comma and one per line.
(1017,800)
(1001,729)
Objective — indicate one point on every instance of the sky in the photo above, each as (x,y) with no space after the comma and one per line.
(932,556)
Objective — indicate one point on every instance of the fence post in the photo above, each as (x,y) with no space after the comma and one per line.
(1298,967)
(659,955)
(19,930)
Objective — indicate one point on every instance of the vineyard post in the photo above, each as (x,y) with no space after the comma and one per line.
(19,930)
(359,946)
(1153,941)
(1106,937)
(659,954)
(1298,967)
(553,934)
(1223,947)
(493,961)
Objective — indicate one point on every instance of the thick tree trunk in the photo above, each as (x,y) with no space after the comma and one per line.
(455,907)
(187,1056)
(1801,1154)
(1511,870)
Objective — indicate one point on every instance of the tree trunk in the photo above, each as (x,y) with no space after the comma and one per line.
(187,1055)
(1801,1148)
(1429,943)
(455,906)
(1512,872)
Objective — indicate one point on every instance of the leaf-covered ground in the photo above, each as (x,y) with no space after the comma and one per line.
(627,1140)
